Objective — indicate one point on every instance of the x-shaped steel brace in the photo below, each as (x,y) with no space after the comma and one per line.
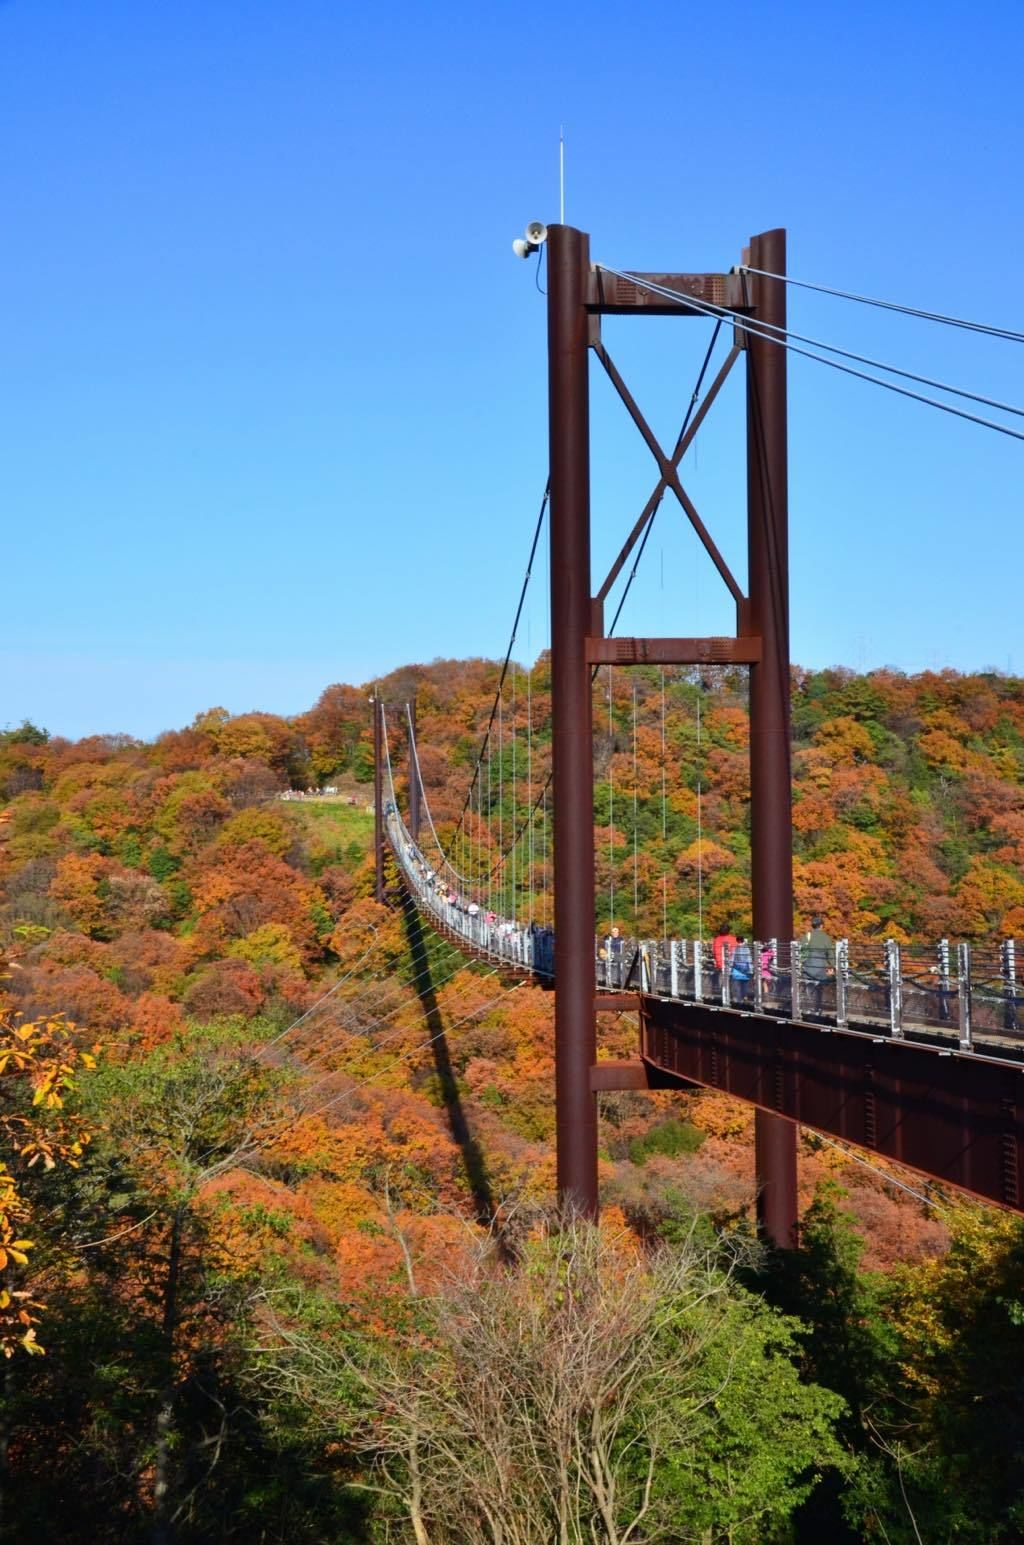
(667,467)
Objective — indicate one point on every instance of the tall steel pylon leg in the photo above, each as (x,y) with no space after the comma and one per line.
(771,825)
(572,738)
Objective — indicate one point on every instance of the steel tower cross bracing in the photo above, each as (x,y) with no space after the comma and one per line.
(578,295)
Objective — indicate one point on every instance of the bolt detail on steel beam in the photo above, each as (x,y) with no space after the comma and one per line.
(767,616)
(572,745)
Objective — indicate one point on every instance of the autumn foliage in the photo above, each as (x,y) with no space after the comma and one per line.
(307,1097)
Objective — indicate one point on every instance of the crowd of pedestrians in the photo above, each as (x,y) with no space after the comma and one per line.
(317,793)
(526,944)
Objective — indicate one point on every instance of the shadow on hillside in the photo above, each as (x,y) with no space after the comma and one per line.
(472,1158)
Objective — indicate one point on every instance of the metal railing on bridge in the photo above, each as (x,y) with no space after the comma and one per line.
(967,991)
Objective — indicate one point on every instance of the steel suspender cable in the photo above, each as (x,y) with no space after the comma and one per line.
(745,326)
(512,852)
(446,862)
(547,866)
(490,870)
(502,908)
(892,305)
(611,807)
(511,646)
(700,825)
(664,817)
(529,774)
(636,848)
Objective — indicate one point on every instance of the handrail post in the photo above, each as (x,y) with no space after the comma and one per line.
(1009,974)
(842,980)
(892,963)
(698,972)
(943,980)
(756,971)
(795,984)
(963,989)
(674,946)
(725,984)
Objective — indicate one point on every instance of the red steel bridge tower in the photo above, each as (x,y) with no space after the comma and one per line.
(579,294)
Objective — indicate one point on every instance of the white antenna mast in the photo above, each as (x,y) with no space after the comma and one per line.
(561,174)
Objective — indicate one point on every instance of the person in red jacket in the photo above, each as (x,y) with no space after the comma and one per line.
(723,942)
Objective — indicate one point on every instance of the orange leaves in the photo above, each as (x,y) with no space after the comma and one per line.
(987,896)
(844,740)
(706,856)
(76,888)
(247,888)
(155,1020)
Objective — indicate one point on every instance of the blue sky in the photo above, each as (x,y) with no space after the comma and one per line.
(274,386)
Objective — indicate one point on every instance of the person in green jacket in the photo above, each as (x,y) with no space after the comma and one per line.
(819,959)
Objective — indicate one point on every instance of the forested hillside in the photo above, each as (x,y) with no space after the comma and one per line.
(279,1164)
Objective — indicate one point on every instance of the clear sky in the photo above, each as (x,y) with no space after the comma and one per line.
(274,386)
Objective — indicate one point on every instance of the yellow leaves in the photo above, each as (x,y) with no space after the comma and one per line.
(40,1057)
(15,1251)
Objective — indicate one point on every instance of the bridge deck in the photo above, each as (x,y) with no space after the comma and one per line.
(955,1116)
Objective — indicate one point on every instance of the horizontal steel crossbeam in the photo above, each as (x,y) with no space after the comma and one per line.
(673,651)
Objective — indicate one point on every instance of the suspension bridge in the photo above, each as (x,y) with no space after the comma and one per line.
(912,1052)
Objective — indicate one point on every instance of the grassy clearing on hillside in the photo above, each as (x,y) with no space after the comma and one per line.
(335,831)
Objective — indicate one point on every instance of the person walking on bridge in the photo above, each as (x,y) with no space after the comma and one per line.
(742,970)
(819,959)
(723,946)
(613,949)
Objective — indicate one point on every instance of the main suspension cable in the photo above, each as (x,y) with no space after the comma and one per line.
(757,330)
(890,305)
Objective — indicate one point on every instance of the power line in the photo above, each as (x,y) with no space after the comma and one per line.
(406,1056)
(877,1170)
(366,1030)
(755,330)
(891,305)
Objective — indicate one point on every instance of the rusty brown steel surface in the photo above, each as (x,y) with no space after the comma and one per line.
(673,651)
(606,1076)
(956,1118)
(608,295)
(572,733)
(767,614)
(617,1003)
